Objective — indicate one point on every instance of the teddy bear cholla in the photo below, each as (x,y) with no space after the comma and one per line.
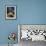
(12,36)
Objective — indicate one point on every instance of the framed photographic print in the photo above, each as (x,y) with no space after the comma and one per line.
(10,12)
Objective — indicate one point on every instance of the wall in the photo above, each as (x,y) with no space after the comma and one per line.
(7,26)
(33,12)
(28,12)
